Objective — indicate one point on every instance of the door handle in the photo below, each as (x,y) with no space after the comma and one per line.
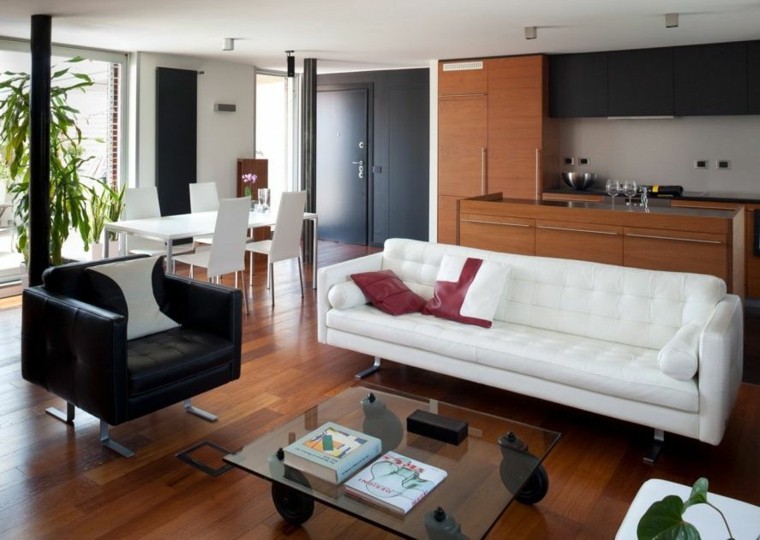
(360,163)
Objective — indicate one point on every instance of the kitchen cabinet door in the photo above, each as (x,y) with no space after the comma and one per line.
(448,219)
(710,79)
(640,82)
(462,145)
(497,233)
(586,242)
(578,85)
(456,78)
(516,110)
(677,251)
(753,76)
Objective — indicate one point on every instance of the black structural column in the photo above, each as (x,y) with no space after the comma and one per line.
(39,149)
(309,144)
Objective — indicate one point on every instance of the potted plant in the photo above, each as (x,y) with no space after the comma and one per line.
(68,195)
(105,205)
(664,519)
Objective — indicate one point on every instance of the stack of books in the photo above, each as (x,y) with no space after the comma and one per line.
(332,452)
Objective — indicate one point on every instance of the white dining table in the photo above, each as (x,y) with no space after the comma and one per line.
(181,226)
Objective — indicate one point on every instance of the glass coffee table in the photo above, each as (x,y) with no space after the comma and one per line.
(499,460)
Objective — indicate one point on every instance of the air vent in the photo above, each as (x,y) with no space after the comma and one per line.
(463,66)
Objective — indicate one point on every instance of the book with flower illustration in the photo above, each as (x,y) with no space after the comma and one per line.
(332,452)
(395,482)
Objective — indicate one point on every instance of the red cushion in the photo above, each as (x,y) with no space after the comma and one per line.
(388,293)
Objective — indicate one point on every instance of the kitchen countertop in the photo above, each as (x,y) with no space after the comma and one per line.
(715,196)
(620,207)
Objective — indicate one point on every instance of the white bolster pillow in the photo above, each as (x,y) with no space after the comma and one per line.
(345,295)
(679,357)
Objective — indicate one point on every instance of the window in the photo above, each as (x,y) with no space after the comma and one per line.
(101,112)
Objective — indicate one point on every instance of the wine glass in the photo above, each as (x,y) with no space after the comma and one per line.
(629,190)
(613,189)
(264,199)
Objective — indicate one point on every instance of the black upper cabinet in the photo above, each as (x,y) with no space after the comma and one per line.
(753,75)
(640,82)
(578,85)
(711,79)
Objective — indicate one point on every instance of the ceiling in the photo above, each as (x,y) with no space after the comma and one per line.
(348,35)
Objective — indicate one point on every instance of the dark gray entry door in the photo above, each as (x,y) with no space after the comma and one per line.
(342,164)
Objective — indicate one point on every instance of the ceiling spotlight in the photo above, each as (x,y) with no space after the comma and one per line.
(229,44)
(291,63)
(671,20)
(531,32)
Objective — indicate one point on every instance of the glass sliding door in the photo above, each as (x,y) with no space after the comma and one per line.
(275,135)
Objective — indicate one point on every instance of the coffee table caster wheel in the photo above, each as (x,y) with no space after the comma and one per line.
(294,507)
(535,488)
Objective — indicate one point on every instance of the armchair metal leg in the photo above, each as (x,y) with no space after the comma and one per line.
(68,418)
(199,412)
(108,442)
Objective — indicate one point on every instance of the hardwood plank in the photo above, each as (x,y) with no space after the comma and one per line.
(57,482)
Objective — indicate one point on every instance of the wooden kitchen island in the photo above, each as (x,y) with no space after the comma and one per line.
(676,239)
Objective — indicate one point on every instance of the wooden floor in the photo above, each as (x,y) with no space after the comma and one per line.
(57,482)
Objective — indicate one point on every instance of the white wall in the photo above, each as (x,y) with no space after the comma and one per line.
(663,151)
(223,137)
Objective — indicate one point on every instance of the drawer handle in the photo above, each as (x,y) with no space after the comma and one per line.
(473,94)
(609,233)
(692,240)
(495,223)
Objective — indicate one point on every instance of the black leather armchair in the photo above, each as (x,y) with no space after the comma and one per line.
(80,352)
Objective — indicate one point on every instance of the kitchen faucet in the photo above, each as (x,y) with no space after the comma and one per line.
(644,200)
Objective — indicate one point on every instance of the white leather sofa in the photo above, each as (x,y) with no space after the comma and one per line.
(593,336)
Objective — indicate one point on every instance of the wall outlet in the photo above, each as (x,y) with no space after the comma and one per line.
(723,164)
(568,161)
(700,163)
(584,161)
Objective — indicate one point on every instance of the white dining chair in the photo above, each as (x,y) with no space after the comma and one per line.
(286,239)
(141,203)
(226,254)
(204,197)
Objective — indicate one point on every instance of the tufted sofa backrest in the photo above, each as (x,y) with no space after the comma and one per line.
(601,301)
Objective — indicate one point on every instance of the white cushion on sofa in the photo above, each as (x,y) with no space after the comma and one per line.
(476,283)
(346,295)
(679,357)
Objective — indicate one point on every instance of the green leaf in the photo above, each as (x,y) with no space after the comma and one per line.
(664,521)
(698,493)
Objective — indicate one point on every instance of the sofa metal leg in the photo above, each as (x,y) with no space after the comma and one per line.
(68,418)
(189,407)
(654,450)
(108,442)
(370,370)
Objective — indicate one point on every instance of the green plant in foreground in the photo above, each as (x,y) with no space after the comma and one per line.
(664,519)
(68,196)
